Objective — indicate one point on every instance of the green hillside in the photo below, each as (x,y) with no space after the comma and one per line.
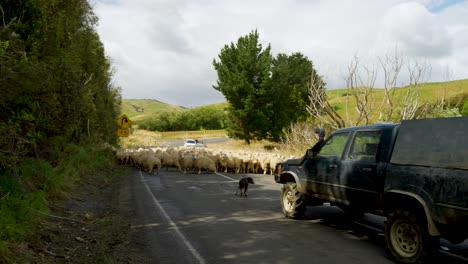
(140,109)
(453,92)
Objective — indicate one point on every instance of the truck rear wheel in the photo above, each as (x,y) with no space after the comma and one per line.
(407,239)
(292,201)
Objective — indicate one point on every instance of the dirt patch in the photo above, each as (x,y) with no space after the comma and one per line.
(91,226)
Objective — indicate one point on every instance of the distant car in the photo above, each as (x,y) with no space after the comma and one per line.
(192,143)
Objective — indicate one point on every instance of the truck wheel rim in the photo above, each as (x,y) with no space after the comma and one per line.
(288,201)
(404,238)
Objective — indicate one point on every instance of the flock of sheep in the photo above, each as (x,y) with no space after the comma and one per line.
(152,159)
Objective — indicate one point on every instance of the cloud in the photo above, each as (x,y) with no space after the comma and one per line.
(417,31)
(164,49)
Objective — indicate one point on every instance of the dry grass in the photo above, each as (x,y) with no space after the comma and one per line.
(139,137)
(255,146)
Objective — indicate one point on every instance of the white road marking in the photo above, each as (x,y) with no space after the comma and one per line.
(171,223)
(145,225)
(229,178)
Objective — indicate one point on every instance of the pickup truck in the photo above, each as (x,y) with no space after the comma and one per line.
(414,173)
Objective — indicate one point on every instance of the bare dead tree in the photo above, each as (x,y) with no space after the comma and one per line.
(299,137)
(5,26)
(320,108)
(419,72)
(448,76)
(360,86)
(391,66)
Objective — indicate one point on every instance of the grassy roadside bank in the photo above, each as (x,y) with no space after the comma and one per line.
(61,210)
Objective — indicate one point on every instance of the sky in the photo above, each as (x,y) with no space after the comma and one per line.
(164,49)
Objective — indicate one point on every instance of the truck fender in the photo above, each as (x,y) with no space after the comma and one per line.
(431,226)
(286,176)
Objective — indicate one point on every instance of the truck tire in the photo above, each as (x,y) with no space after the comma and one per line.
(407,239)
(292,201)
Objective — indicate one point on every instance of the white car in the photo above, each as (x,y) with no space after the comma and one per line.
(192,143)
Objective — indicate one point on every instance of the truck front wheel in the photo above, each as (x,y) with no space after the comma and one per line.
(407,239)
(292,201)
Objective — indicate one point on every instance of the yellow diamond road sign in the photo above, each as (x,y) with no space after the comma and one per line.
(122,132)
(124,121)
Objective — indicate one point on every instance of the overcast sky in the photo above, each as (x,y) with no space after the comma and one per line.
(164,49)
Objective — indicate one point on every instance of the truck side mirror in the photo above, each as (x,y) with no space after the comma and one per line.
(321,134)
(314,150)
(310,153)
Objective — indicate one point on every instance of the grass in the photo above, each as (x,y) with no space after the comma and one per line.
(454,92)
(137,109)
(41,182)
(141,109)
(256,146)
(431,93)
(140,137)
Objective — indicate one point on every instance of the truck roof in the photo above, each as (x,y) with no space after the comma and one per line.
(437,142)
(369,127)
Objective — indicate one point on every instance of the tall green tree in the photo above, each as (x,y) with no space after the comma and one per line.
(243,72)
(290,76)
(56,80)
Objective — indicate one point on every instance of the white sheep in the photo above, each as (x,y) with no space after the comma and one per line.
(265,163)
(152,163)
(122,157)
(186,162)
(204,163)
(171,160)
(275,159)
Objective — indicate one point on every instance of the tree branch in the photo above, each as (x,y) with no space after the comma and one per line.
(59,217)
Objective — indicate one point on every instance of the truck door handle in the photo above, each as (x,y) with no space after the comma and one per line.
(333,166)
(366,169)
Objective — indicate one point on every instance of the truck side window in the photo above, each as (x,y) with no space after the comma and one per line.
(364,146)
(335,145)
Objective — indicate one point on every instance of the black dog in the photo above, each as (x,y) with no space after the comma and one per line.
(244,185)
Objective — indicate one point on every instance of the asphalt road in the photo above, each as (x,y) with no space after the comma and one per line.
(189,218)
(179,143)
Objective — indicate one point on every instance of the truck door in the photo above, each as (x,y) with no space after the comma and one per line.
(323,170)
(360,180)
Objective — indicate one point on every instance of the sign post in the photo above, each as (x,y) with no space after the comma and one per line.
(124,122)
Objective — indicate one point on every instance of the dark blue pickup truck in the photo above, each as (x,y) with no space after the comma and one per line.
(414,173)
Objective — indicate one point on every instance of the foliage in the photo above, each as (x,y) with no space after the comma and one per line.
(56,93)
(266,95)
(291,76)
(20,209)
(441,112)
(244,79)
(430,94)
(464,110)
(55,78)
(200,118)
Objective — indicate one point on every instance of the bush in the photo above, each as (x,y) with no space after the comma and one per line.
(22,203)
(464,110)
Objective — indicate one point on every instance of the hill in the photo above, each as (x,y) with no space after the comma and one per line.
(140,109)
(454,92)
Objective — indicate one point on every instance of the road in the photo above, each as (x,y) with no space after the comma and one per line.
(189,218)
(179,142)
